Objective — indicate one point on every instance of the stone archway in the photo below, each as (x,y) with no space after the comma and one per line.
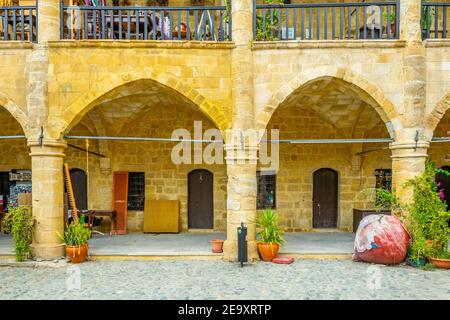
(368,92)
(434,117)
(119,84)
(16,112)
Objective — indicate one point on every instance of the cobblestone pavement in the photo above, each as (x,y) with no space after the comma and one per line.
(304,279)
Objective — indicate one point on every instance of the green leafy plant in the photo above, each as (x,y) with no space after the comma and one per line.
(266,25)
(426,18)
(21,229)
(268,229)
(391,17)
(6,223)
(76,234)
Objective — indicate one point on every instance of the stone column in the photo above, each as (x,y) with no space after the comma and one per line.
(241,159)
(49,16)
(48,197)
(408,161)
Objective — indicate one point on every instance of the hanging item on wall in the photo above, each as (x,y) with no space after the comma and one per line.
(14,192)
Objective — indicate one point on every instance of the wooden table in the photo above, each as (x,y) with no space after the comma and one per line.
(102,213)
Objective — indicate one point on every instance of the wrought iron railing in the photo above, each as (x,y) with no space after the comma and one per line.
(204,23)
(435,20)
(18,23)
(326,21)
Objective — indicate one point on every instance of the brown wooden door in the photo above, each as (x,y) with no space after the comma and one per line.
(200,200)
(325,195)
(79,186)
(120,200)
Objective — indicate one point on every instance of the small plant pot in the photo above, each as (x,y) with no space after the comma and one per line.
(440,263)
(77,254)
(267,251)
(217,246)
(416,263)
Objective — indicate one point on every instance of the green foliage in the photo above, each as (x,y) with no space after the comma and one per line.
(76,234)
(428,214)
(22,230)
(268,229)
(426,18)
(391,16)
(388,200)
(266,25)
(6,222)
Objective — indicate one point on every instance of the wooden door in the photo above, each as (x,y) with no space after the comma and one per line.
(120,200)
(200,200)
(79,186)
(325,195)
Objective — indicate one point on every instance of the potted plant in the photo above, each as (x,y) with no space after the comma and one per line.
(269,235)
(217,246)
(76,238)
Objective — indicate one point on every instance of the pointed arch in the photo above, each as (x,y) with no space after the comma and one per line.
(15,111)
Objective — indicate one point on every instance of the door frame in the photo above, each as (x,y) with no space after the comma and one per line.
(338,201)
(213,202)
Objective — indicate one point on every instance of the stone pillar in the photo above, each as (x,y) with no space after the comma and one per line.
(241,163)
(48,198)
(49,16)
(408,161)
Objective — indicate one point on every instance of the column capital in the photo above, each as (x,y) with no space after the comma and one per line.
(47,148)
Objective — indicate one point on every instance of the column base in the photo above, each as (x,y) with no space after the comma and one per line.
(48,252)
(230,251)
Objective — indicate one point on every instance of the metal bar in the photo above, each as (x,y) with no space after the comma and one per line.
(221,34)
(170,25)
(444,23)
(61,20)
(94,23)
(86,28)
(349,24)
(137,24)
(302,35)
(365,23)
(271,23)
(436,22)
(22,24)
(341,22)
(318,23)
(333,23)
(154,26)
(287,24)
(82,149)
(103,24)
(295,23)
(310,23)
(128,25)
(138,139)
(325,23)
(195,24)
(188,31)
(5,24)
(279,23)
(372,20)
(14,25)
(397,19)
(357,23)
(254,19)
(111,23)
(179,24)
(264,23)
(389,22)
(145,25)
(381,20)
(428,21)
(213,31)
(13,137)
(120,24)
(204,26)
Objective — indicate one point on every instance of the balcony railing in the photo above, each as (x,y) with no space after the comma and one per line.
(18,23)
(206,23)
(435,20)
(326,21)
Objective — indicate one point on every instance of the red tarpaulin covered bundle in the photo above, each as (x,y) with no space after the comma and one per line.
(381,239)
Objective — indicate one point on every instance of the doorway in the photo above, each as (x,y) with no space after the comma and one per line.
(445,185)
(79,186)
(325,198)
(200,200)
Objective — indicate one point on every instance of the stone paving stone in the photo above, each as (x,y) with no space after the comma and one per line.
(304,279)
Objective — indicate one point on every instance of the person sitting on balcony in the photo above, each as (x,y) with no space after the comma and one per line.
(372,23)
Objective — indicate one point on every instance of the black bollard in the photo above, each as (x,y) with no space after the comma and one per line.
(242,244)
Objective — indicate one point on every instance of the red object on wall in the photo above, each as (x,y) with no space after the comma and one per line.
(381,239)
(120,200)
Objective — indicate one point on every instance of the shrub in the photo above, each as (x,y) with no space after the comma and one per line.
(21,229)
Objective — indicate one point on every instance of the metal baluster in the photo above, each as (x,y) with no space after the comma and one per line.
(372,21)
(287,24)
(188,32)
(30,16)
(138,18)
(341,23)
(128,24)
(428,22)
(170,26)
(325,23)
(61,22)
(22,22)
(318,23)
(103,24)
(357,23)
(388,22)
(204,25)
(333,23)
(264,23)
(111,23)
(279,23)
(221,35)
(120,24)
(271,23)
(295,23)
(94,12)
(213,29)
(310,24)
(14,25)
(179,24)
(349,23)
(381,21)
(154,27)
(145,24)
(365,23)
(86,32)
(444,23)
(5,24)
(436,22)
(195,24)
(302,35)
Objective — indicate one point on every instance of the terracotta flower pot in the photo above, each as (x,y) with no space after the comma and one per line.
(440,263)
(217,246)
(77,254)
(267,251)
